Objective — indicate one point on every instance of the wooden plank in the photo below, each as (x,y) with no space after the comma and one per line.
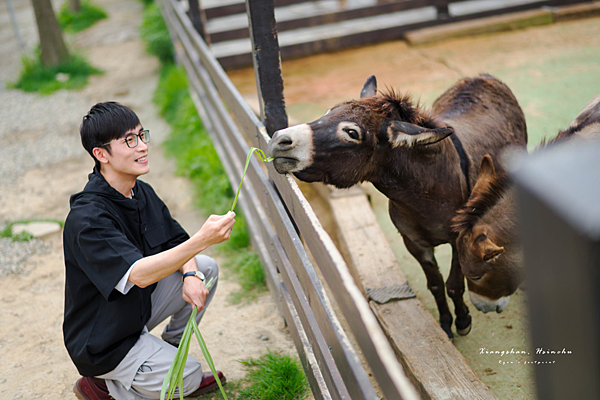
(217,9)
(473,27)
(432,363)
(579,11)
(292,21)
(309,362)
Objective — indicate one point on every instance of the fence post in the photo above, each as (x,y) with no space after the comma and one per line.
(442,9)
(267,64)
(198,17)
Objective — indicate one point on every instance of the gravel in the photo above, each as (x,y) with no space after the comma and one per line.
(35,132)
(38,131)
(14,256)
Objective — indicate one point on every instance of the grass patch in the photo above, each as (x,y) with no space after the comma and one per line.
(71,74)
(155,34)
(245,265)
(271,377)
(23,236)
(274,377)
(87,16)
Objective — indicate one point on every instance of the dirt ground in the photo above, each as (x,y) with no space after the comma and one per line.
(33,359)
(553,70)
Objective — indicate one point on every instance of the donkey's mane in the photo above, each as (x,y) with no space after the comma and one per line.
(480,203)
(562,135)
(391,104)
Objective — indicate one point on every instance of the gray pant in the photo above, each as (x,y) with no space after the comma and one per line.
(139,376)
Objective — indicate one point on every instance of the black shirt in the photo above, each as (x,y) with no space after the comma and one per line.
(105,233)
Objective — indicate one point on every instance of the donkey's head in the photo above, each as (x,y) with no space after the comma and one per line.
(488,249)
(338,148)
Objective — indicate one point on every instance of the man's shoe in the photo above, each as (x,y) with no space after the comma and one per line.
(209,383)
(87,388)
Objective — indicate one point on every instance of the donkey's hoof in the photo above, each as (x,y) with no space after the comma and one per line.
(448,329)
(463,325)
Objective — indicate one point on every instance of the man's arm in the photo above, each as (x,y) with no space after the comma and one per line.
(153,268)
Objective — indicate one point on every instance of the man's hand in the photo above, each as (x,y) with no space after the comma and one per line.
(216,229)
(194,292)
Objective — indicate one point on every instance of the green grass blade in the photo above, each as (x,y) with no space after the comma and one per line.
(263,157)
(208,358)
(174,376)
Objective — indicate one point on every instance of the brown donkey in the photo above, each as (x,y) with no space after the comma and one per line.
(425,162)
(489,251)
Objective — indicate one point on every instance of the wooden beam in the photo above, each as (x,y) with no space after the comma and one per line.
(267,64)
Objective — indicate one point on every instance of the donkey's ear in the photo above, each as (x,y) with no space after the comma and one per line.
(369,88)
(402,133)
(487,173)
(485,249)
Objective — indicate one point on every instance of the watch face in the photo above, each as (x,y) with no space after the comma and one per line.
(200,275)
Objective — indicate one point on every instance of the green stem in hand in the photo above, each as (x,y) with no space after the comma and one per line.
(262,156)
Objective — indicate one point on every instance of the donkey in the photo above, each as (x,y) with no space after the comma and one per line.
(425,162)
(489,252)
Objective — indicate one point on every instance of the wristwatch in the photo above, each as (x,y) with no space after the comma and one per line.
(197,274)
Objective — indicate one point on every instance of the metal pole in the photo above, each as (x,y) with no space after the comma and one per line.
(14,23)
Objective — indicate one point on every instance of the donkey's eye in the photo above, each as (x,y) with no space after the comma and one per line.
(475,278)
(352,133)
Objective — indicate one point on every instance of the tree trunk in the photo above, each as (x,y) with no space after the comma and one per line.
(52,45)
(74,6)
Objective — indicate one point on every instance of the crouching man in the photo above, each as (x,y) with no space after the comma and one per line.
(129,266)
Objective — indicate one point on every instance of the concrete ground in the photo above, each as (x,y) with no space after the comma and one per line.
(554,70)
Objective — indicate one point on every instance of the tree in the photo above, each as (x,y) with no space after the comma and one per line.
(52,45)
(74,6)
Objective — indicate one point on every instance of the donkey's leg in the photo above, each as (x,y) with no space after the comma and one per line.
(455,286)
(435,281)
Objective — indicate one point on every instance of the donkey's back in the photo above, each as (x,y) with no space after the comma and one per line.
(485,115)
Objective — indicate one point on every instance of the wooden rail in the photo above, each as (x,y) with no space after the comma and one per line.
(301,31)
(332,365)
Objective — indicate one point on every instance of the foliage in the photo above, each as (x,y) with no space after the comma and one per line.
(246,265)
(86,17)
(274,377)
(35,77)
(271,377)
(155,34)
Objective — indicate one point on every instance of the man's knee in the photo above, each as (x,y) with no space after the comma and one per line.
(207,265)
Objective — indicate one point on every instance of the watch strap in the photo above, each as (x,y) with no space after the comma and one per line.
(197,274)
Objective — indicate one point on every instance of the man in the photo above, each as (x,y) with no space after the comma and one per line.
(129,266)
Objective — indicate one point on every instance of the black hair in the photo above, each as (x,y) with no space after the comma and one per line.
(103,123)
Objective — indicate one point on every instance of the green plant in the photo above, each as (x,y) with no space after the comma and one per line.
(35,77)
(274,377)
(250,274)
(23,236)
(156,35)
(174,377)
(77,21)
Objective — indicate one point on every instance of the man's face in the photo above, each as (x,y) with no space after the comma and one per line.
(126,161)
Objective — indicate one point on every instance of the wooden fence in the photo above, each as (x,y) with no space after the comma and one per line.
(332,365)
(313,26)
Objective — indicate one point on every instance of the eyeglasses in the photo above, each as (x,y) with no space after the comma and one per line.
(132,140)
